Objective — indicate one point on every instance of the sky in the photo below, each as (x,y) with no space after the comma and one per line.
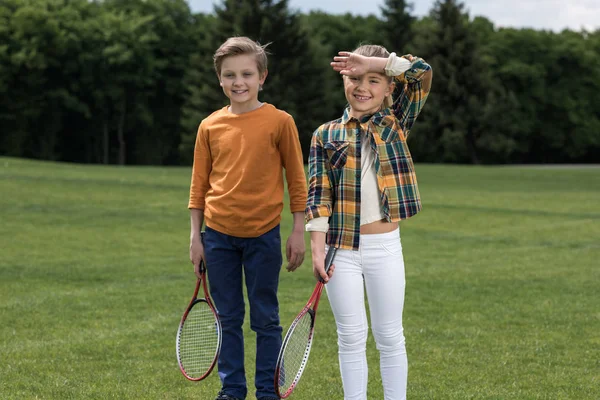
(553,15)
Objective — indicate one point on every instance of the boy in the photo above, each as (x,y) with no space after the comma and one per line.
(237,189)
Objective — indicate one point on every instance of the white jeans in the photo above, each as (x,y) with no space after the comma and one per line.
(379,264)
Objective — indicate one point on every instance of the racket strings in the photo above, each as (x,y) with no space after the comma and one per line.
(295,353)
(199,340)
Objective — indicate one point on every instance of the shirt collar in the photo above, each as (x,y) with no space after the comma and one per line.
(383,117)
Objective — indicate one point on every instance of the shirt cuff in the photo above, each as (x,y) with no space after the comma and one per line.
(396,65)
(320,224)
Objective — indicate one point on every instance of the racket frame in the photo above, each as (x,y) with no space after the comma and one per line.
(312,311)
(200,282)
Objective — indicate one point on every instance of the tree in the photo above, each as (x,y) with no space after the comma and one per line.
(396,25)
(41,40)
(155,137)
(128,81)
(331,34)
(125,74)
(461,89)
(294,82)
(202,97)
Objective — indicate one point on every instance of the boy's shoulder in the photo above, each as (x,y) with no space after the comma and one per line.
(214,116)
(278,115)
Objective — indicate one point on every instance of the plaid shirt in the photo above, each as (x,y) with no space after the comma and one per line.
(335,166)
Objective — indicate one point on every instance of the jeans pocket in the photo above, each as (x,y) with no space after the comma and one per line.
(392,248)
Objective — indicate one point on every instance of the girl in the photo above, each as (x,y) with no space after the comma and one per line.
(361,184)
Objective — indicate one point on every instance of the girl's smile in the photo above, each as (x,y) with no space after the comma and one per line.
(366,93)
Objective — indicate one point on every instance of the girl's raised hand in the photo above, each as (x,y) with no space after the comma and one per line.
(351,64)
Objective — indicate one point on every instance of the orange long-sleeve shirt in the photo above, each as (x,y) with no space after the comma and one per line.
(237,177)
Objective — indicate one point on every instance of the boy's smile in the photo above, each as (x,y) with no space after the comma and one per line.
(241,82)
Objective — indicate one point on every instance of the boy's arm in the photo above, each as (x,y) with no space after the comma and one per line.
(196,245)
(200,170)
(295,247)
(196,222)
(291,160)
(198,189)
(412,88)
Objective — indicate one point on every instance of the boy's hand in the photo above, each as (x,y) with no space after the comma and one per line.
(196,254)
(294,250)
(350,64)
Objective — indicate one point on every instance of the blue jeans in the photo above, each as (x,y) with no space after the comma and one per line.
(259,261)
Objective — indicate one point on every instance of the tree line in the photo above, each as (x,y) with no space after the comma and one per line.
(128,81)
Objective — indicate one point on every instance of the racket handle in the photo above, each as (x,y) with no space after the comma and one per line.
(329,260)
(202,266)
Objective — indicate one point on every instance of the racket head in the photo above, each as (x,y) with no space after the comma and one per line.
(297,343)
(198,340)
(294,353)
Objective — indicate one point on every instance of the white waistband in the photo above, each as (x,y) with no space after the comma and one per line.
(379,237)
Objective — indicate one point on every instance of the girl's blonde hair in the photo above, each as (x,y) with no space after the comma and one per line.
(237,45)
(373,50)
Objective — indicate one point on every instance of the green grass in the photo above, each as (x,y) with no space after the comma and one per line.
(502,301)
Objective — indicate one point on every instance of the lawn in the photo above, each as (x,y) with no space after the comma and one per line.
(502,301)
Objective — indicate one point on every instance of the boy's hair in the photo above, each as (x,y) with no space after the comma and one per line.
(373,50)
(237,45)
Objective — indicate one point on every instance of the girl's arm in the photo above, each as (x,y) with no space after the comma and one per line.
(317,247)
(411,74)
(319,203)
(412,88)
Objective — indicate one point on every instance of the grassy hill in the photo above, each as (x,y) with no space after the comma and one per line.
(502,300)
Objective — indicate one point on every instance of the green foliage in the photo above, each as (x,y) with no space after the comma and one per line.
(397,24)
(39,41)
(128,81)
(88,79)
(461,91)
(331,34)
(293,83)
(202,91)
(556,115)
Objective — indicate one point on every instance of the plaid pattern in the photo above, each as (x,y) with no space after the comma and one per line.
(335,166)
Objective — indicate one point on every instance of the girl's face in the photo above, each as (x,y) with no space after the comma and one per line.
(366,93)
(240,79)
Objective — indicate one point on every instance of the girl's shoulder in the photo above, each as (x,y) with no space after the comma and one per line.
(331,129)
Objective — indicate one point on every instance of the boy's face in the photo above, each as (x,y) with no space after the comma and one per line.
(240,79)
(366,93)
